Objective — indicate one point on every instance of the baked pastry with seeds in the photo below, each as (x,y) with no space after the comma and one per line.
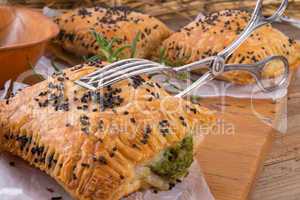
(103,145)
(123,24)
(211,34)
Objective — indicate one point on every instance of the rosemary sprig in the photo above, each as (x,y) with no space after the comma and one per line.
(134,44)
(107,51)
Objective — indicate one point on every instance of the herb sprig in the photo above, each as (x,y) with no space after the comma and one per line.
(108,52)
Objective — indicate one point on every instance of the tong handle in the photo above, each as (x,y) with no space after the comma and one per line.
(290,21)
(257,69)
(205,78)
(257,20)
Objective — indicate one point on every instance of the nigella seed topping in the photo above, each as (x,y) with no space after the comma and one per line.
(60,79)
(43,93)
(137,81)
(12,164)
(182,121)
(148,129)
(56,198)
(132,120)
(102,160)
(126,113)
(50,190)
(85,130)
(85,165)
(84,120)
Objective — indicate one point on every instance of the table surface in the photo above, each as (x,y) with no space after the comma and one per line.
(280,178)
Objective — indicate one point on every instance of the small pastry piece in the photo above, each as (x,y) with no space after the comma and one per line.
(103,145)
(75,30)
(211,34)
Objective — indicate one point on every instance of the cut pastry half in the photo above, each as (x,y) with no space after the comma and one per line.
(106,144)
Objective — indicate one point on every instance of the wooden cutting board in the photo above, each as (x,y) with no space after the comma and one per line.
(232,157)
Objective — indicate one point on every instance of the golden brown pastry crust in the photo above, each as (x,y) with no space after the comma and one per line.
(91,143)
(118,23)
(211,34)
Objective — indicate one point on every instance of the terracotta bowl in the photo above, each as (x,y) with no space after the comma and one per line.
(24,34)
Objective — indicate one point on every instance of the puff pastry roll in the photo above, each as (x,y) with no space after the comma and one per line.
(211,34)
(106,144)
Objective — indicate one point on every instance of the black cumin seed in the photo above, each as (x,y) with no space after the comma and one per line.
(126,113)
(85,165)
(85,130)
(50,190)
(12,164)
(132,120)
(171,185)
(56,198)
(102,160)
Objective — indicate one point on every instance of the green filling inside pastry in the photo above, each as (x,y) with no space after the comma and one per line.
(175,161)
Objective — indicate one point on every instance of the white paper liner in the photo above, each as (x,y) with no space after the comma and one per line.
(19,181)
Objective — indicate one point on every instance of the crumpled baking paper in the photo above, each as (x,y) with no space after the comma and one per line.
(19,181)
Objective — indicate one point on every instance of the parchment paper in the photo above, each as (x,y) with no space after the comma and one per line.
(19,181)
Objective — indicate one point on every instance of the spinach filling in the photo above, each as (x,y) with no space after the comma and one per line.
(175,161)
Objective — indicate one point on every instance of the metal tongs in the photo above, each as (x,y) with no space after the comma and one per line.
(127,68)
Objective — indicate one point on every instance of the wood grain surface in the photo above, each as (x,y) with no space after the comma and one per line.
(231,157)
(280,179)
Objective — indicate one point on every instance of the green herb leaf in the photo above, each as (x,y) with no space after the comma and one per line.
(134,44)
(162,58)
(106,50)
(120,50)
